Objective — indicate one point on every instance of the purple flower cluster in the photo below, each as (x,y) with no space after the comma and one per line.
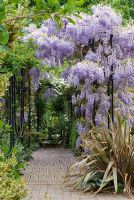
(86,71)
(56,45)
(124,75)
(49,93)
(81,130)
(35,75)
(102,50)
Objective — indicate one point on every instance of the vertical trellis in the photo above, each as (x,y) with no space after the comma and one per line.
(37,110)
(112,85)
(16,103)
(94,105)
(29,109)
(12,110)
(69,111)
(110,89)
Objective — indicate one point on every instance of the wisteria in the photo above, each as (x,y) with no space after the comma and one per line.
(49,93)
(35,74)
(81,130)
(102,50)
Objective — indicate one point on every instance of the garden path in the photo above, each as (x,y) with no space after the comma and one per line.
(44,176)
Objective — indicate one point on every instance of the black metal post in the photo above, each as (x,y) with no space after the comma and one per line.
(94,105)
(94,113)
(14,103)
(112,95)
(29,110)
(22,93)
(10,105)
(111,83)
(37,111)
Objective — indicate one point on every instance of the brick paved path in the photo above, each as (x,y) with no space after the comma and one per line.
(44,177)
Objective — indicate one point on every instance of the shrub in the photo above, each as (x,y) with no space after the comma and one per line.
(11,185)
(110,163)
(73,136)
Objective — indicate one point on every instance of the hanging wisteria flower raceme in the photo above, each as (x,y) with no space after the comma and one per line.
(49,93)
(107,49)
(35,75)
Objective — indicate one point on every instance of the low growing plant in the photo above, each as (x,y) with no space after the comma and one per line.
(110,161)
(12,187)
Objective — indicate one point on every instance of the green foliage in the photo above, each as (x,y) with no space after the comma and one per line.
(20,56)
(125,7)
(56,120)
(19,151)
(4,35)
(2,10)
(58,104)
(4,134)
(73,136)
(4,82)
(21,154)
(12,187)
(15,14)
(110,162)
(39,138)
(40,107)
(11,164)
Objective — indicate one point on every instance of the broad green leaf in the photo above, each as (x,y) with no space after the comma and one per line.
(14,150)
(57,19)
(89,176)
(53,2)
(80,2)
(107,170)
(1,124)
(40,4)
(47,16)
(103,184)
(77,15)
(2,11)
(5,150)
(2,27)
(71,20)
(106,178)
(4,37)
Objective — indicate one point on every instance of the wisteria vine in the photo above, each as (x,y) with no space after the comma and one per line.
(103,52)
